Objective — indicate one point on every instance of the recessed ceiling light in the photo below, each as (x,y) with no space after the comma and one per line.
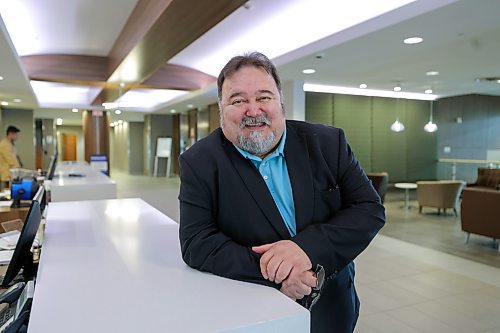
(118,111)
(363,86)
(74,110)
(432,73)
(413,40)
(189,106)
(397,88)
(4,103)
(428,91)
(498,81)
(248,5)
(172,111)
(309,71)
(1,78)
(17,100)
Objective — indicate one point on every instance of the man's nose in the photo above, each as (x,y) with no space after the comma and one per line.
(253,109)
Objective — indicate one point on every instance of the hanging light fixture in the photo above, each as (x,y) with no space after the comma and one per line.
(397,126)
(430,126)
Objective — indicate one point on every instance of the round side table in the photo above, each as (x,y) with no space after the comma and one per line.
(407,187)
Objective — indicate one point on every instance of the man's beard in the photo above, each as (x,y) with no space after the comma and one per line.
(256,143)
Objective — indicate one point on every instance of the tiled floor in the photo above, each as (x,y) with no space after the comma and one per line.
(409,288)
(409,284)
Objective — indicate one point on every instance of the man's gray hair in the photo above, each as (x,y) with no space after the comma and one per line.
(255,59)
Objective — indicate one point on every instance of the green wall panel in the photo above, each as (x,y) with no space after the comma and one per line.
(407,156)
(421,146)
(389,152)
(353,114)
(319,108)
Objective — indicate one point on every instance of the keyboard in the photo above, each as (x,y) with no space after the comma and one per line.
(6,315)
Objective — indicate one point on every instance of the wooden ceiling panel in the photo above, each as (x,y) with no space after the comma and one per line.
(65,67)
(179,77)
(155,32)
(182,23)
(144,15)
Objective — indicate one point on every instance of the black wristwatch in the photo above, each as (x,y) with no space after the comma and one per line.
(311,299)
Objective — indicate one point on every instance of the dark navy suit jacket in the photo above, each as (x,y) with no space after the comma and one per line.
(226,208)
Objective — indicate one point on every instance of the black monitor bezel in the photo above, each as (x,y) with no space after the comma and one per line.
(41,197)
(52,167)
(22,256)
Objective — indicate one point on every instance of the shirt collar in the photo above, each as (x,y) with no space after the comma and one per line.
(278,151)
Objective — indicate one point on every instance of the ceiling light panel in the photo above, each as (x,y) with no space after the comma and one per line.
(78,34)
(63,95)
(146,99)
(274,31)
(366,92)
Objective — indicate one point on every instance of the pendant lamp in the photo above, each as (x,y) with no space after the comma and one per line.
(397,126)
(430,126)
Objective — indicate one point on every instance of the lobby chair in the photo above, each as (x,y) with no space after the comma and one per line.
(480,212)
(379,181)
(440,194)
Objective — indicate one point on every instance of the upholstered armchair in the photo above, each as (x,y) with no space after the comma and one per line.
(440,194)
(480,213)
(487,178)
(379,182)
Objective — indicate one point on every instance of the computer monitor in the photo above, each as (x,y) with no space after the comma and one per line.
(22,257)
(52,167)
(41,197)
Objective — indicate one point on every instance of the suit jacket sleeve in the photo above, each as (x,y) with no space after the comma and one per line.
(335,241)
(203,245)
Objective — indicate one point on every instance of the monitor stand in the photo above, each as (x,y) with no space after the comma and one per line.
(16,203)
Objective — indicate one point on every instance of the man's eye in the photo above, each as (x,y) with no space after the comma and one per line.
(237,102)
(264,98)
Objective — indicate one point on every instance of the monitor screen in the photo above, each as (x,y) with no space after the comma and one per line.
(22,256)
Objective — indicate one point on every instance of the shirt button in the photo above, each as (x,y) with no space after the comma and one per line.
(265,177)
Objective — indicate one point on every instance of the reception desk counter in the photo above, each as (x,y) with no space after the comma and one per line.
(115,266)
(75,181)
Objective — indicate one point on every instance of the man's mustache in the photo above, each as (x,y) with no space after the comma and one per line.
(254,120)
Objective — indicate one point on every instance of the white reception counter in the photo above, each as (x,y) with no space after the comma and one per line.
(75,181)
(115,266)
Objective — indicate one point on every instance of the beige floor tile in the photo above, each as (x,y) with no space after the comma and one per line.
(460,321)
(387,296)
(382,322)
(420,286)
(450,282)
(494,330)
(421,321)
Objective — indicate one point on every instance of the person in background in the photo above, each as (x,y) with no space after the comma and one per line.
(277,202)
(8,155)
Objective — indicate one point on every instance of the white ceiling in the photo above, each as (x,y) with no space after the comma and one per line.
(461,41)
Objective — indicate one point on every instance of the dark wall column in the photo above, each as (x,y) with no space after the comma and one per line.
(96,134)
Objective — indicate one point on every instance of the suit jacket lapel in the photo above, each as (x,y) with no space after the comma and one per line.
(257,188)
(299,170)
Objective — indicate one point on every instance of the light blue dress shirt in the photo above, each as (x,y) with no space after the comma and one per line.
(275,173)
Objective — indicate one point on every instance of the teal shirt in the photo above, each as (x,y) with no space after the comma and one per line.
(275,173)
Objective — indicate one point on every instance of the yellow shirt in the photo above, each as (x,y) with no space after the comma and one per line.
(8,159)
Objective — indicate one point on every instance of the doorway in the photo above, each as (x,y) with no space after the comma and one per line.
(69,147)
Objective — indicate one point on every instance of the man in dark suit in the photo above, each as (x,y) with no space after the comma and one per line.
(275,202)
